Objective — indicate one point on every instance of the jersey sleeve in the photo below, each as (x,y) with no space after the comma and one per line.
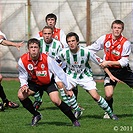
(96,59)
(126,49)
(58,71)
(23,74)
(97,45)
(124,61)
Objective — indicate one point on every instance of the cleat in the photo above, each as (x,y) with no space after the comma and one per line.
(77,114)
(106,116)
(11,104)
(1,107)
(37,105)
(114,117)
(35,120)
(76,123)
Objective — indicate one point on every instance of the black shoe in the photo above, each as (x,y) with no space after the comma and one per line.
(35,120)
(37,105)
(114,117)
(76,123)
(11,104)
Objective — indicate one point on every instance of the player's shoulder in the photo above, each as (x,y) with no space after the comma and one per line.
(23,58)
(63,51)
(25,55)
(85,49)
(40,38)
(57,41)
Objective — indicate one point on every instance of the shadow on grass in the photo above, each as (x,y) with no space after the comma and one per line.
(90,116)
(56,123)
(48,108)
(101,117)
(125,115)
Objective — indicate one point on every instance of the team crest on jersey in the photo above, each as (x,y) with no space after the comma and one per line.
(107,44)
(119,46)
(56,37)
(30,67)
(42,66)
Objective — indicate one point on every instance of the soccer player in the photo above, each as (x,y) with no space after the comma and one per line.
(58,33)
(37,71)
(52,47)
(79,71)
(116,53)
(6,102)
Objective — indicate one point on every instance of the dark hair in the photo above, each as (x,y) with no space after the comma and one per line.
(51,15)
(33,40)
(72,34)
(118,22)
(47,27)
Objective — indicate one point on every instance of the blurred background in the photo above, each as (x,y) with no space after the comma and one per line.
(23,19)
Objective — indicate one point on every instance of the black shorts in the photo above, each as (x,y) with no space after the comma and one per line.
(48,87)
(124,74)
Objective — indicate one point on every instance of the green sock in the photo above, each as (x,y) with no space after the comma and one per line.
(64,96)
(37,97)
(73,103)
(104,105)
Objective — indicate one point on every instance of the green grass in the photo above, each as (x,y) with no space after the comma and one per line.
(54,121)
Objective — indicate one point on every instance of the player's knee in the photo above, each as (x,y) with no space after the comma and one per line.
(108,95)
(57,102)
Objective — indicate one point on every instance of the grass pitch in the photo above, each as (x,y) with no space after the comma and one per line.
(54,121)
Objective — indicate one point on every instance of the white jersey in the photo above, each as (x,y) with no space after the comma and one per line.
(77,63)
(2,34)
(52,49)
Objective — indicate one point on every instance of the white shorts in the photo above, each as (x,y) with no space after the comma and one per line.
(86,83)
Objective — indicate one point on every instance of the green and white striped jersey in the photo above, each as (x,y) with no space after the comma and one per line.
(51,49)
(77,63)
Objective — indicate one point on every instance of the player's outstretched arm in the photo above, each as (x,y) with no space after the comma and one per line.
(113,78)
(9,43)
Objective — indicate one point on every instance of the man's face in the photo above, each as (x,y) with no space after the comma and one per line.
(72,43)
(51,22)
(34,51)
(47,35)
(117,30)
